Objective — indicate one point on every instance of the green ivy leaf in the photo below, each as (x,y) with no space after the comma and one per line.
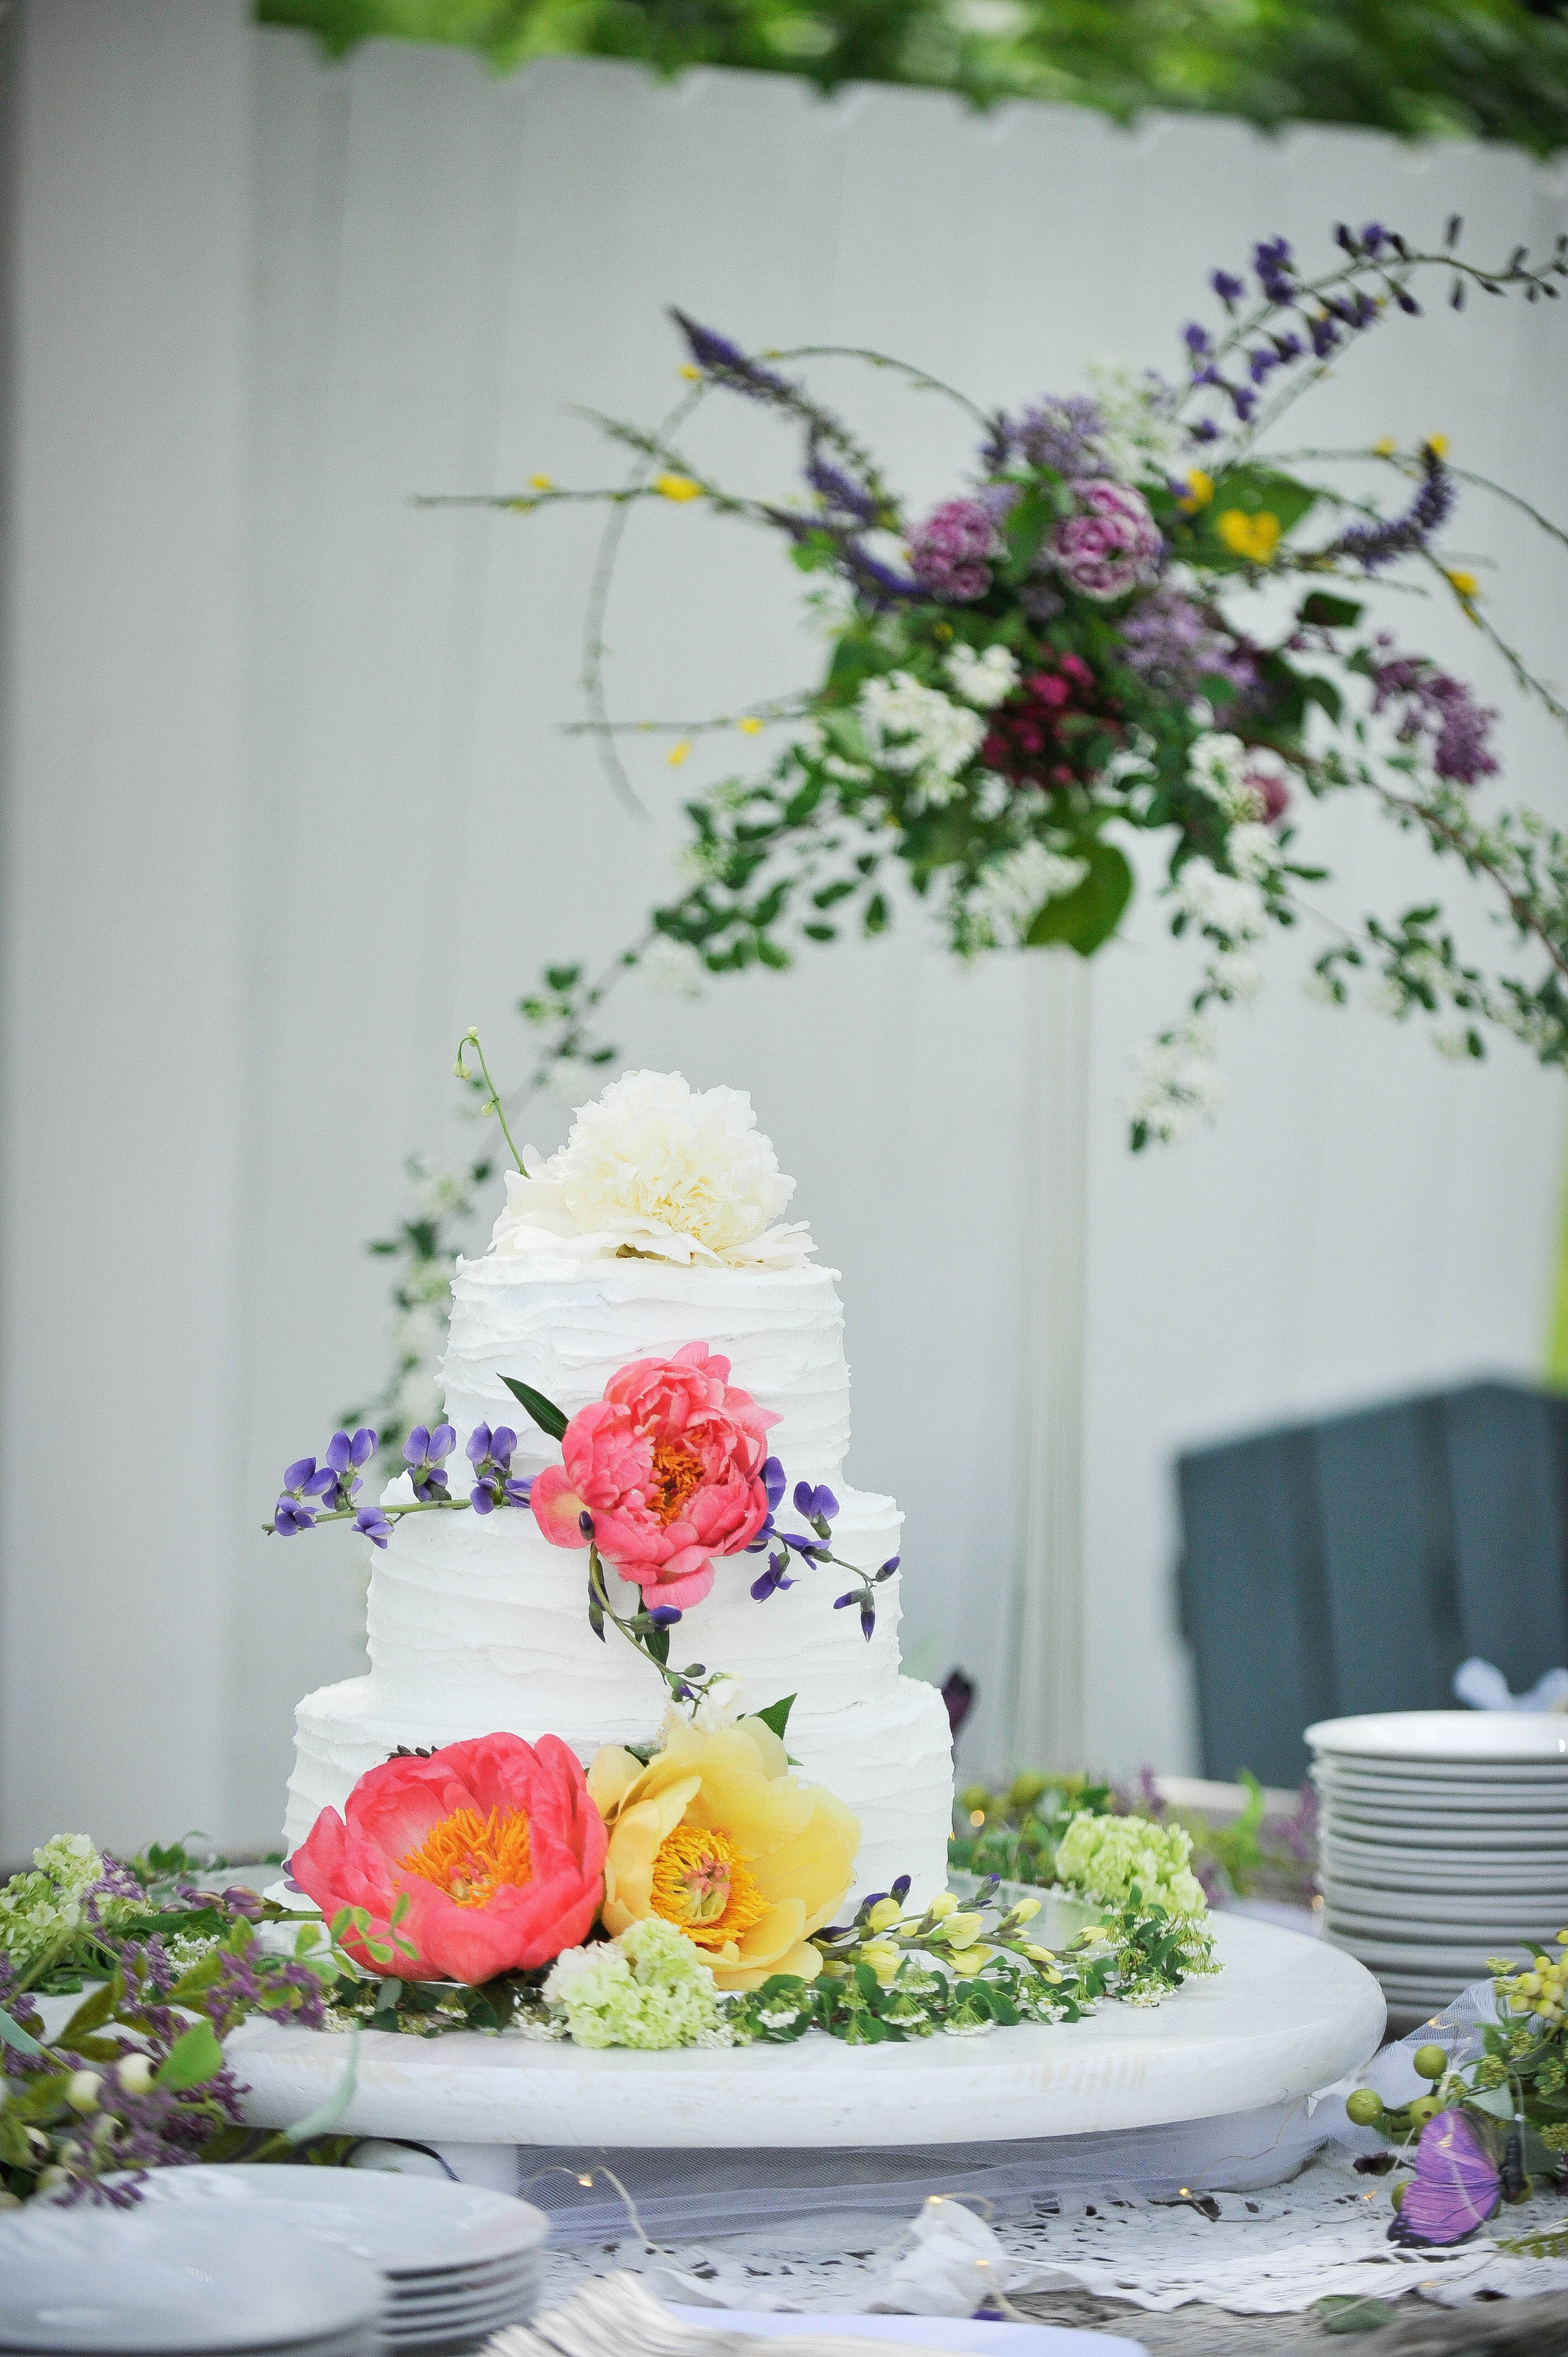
(545,1412)
(1027,523)
(1084,918)
(1329,613)
(777,1716)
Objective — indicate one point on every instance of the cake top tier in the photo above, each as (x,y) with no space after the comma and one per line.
(654,1169)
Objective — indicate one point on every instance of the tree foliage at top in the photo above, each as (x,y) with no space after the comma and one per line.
(1487,69)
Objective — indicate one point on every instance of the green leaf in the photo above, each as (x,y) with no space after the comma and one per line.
(94,2010)
(326,2117)
(656,1644)
(1329,613)
(1088,916)
(191,2060)
(13,2034)
(1026,525)
(777,1715)
(1323,692)
(545,1412)
(1343,2311)
(875,917)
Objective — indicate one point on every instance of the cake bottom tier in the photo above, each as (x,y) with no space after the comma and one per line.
(889,1760)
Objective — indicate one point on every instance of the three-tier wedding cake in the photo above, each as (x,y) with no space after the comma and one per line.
(655,1228)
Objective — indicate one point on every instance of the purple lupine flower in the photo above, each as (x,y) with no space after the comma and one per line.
(1230,290)
(1374,544)
(839,493)
(339,1468)
(491,1456)
(1205,430)
(372,1524)
(1374,236)
(816,1505)
(1438,706)
(953,552)
(424,1452)
(878,582)
(717,356)
(773,1483)
(812,1550)
(291,1516)
(1196,337)
(776,1576)
(664,1616)
(1271,261)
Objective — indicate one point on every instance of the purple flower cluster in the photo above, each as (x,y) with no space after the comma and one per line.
(1436,707)
(1167,641)
(953,552)
(842,497)
(1324,319)
(309,1489)
(1374,544)
(1060,433)
(715,355)
(489,1453)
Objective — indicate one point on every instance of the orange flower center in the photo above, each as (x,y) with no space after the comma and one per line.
(471,1857)
(676,1473)
(701,1885)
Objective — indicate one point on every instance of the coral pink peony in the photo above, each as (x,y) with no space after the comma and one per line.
(669,1465)
(495,1843)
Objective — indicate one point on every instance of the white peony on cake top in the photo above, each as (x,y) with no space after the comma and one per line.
(656,1169)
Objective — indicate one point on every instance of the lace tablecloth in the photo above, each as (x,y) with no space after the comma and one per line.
(1196,2269)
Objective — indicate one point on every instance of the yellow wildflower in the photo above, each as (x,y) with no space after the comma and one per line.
(716,1836)
(1386,448)
(1199,491)
(1255,537)
(543,482)
(678,753)
(677,487)
(1464,585)
(1438,445)
(690,374)
(748,726)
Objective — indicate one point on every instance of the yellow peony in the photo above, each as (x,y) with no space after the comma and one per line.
(716,1836)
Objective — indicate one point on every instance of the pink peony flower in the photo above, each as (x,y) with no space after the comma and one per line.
(495,1843)
(1111,545)
(669,1464)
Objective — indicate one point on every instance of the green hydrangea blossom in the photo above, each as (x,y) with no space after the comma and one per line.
(38,1908)
(1105,1857)
(649,1987)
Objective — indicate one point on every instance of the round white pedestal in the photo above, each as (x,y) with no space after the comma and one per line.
(1286,2014)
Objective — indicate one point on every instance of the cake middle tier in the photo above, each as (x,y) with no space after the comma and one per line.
(483,1614)
(568,1326)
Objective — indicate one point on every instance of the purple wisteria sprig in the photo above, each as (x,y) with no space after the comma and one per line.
(314,1493)
(818,1508)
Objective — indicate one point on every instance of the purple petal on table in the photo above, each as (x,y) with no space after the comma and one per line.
(1457,2186)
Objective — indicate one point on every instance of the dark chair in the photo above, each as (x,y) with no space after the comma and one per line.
(1351,1565)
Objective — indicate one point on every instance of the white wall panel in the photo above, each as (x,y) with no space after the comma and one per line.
(446,263)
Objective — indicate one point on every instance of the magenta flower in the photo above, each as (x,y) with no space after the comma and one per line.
(952,553)
(1111,545)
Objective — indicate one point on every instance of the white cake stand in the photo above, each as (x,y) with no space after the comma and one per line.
(1287,2015)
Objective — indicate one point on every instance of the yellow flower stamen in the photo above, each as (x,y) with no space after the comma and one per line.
(748,726)
(1199,491)
(701,1884)
(676,1474)
(677,487)
(1255,537)
(543,482)
(471,1857)
(678,753)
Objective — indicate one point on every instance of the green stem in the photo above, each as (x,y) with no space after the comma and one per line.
(494,1105)
(393,1513)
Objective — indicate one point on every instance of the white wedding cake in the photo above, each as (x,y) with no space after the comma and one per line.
(654,1228)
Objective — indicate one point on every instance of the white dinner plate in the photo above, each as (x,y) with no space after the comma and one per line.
(1475,1831)
(1503,1786)
(146,2281)
(1482,1909)
(1539,1860)
(411,2226)
(1465,1962)
(1508,1941)
(1495,1737)
(966,2336)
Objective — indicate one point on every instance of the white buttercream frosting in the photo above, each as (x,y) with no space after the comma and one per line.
(657,1168)
(656,1226)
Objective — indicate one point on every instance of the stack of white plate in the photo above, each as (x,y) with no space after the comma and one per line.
(111,2282)
(460,2260)
(1443,1839)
